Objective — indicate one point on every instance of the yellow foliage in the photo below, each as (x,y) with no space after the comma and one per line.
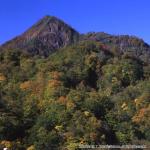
(55,75)
(125,108)
(7,144)
(31,147)
(42,103)
(114,80)
(91,59)
(108,91)
(140,101)
(136,100)
(86,113)
(70,105)
(72,145)
(94,122)
(58,128)
(123,105)
(94,95)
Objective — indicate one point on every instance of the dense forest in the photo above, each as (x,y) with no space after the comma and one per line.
(57,92)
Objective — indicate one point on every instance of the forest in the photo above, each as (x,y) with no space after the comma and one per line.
(88,92)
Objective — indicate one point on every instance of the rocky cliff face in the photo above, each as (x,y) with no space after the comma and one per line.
(44,37)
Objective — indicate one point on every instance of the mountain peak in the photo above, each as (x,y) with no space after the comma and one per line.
(47,19)
(44,37)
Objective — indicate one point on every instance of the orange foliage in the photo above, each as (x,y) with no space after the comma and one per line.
(62,100)
(54,83)
(140,115)
(25,85)
(37,88)
(55,75)
(2,77)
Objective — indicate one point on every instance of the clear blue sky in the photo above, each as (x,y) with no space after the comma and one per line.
(112,16)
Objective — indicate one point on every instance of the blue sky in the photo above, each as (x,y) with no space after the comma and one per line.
(111,16)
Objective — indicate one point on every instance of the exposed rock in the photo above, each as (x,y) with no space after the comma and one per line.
(44,37)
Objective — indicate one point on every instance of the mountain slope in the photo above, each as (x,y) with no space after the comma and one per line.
(96,91)
(79,94)
(44,37)
(122,44)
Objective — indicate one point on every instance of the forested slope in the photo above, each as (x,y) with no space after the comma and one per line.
(87,92)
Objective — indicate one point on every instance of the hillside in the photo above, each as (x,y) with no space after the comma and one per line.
(122,44)
(91,89)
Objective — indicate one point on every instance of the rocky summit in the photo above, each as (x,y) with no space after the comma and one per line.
(47,35)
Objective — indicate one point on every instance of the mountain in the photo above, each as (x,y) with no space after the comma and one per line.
(51,33)
(92,88)
(47,35)
(121,44)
